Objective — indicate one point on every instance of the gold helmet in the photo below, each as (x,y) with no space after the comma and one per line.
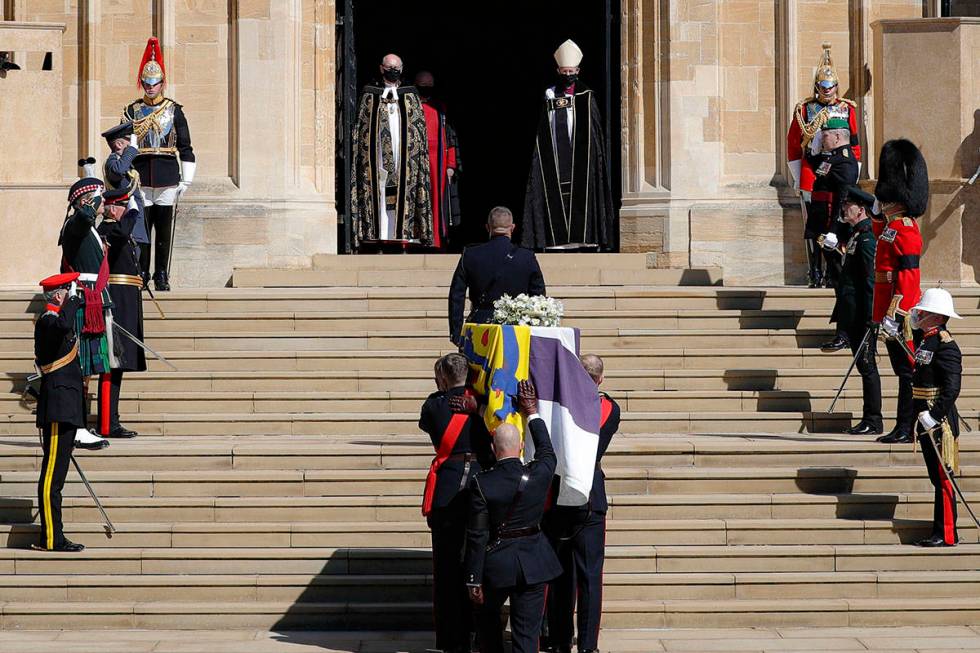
(151,69)
(825,76)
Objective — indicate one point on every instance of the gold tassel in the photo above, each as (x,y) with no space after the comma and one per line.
(950,449)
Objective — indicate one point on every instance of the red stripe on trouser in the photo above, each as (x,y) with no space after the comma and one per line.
(105,403)
(949,527)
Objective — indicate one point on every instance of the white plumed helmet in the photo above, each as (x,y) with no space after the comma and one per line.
(938,301)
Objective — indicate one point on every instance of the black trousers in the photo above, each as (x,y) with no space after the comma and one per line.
(526,615)
(57,442)
(109,388)
(579,538)
(450,599)
(944,502)
(905,412)
(867,367)
(161,220)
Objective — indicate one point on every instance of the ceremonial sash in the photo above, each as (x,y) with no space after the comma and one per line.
(606,407)
(61,362)
(446,445)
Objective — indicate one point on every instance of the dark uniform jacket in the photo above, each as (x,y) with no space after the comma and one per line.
(473,439)
(81,248)
(157,161)
(117,175)
(507,562)
(834,171)
(127,300)
(857,282)
(938,369)
(60,399)
(489,271)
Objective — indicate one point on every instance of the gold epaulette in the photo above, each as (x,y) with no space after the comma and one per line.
(945,336)
(908,222)
(848,102)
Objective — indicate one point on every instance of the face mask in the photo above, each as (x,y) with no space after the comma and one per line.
(425,91)
(392,74)
(567,79)
(915,320)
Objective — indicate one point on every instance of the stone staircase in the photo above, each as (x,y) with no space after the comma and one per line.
(276,482)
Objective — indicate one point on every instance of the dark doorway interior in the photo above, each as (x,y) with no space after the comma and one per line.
(491,62)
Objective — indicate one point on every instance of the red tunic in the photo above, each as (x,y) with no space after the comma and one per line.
(441,158)
(805,111)
(896,263)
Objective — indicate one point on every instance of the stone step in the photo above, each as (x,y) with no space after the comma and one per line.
(395,534)
(448,262)
(795,505)
(568,274)
(396,482)
(413,453)
(375,423)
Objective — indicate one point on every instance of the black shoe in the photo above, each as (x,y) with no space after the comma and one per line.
(839,342)
(161,282)
(896,436)
(66,546)
(864,428)
(120,431)
(934,541)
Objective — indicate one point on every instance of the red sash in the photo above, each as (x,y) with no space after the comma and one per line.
(446,445)
(606,406)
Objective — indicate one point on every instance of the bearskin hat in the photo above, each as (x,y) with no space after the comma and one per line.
(903,176)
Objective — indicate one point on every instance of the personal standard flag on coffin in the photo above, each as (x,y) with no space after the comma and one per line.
(568,400)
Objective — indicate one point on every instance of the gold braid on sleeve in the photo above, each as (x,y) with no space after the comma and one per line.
(810,129)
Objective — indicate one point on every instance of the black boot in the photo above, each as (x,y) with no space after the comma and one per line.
(161,281)
(838,342)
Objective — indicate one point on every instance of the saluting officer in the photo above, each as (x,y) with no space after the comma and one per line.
(578,534)
(903,191)
(855,298)
(119,221)
(462,446)
(935,387)
(507,555)
(60,406)
(119,174)
(491,270)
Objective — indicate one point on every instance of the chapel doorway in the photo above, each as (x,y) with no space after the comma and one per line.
(491,62)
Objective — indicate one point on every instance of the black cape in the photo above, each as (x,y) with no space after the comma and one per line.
(590,220)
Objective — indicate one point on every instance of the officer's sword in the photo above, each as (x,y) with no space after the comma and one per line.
(153,298)
(110,529)
(173,230)
(905,345)
(142,345)
(860,349)
(949,472)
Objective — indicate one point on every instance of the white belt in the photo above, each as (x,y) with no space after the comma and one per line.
(88,276)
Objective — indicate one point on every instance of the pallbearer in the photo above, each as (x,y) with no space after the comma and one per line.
(568,205)
(935,387)
(125,288)
(60,406)
(166,162)
(903,191)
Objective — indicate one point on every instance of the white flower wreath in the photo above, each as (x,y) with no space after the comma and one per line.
(528,311)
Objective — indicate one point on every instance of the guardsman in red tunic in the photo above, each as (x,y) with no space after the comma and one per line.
(809,119)
(903,192)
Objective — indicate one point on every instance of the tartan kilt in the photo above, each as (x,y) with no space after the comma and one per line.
(93,348)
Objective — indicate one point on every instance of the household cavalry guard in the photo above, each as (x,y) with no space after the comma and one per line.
(165,164)
(935,388)
(903,193)
(810,117)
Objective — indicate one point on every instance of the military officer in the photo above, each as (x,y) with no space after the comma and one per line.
(578,534)
(60,406)
(507,555)
(490,271)
(935,387)
(125,288)
(118,173)
(903,192)
(166,163)
(805,136)
(855,297)
(462,446)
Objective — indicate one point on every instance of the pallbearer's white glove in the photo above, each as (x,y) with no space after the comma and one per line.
(133,142)
(926,420)
(889,326)
(830,240)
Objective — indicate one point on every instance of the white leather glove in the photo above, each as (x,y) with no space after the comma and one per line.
(133,142)
(181,187)
(806,195)
(926,420)
(889,326)
(72,289)
(830,240)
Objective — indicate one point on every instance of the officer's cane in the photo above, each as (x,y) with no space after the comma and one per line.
(860,349)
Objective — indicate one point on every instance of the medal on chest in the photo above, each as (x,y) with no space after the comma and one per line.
(923,357)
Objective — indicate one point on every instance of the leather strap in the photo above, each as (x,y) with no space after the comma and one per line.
(61,362)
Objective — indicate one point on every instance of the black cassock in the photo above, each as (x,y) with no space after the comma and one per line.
(568,203)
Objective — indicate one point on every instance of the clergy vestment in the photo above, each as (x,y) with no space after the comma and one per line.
(390,187)
(568,204)
(442,157)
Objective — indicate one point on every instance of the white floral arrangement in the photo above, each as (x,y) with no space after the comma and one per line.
(524,310)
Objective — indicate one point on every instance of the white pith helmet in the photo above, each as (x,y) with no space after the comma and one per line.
(938,301)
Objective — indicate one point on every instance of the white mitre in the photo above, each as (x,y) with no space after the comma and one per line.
(568,55)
